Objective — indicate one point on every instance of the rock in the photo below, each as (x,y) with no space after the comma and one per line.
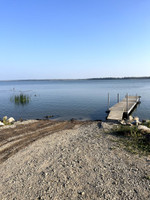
(81,193)
(129,124)
(11,120)
(145,121)
(2,124)
(49,116)
(123,122)
(72,119)
(136,121)
(4,118)
(130,118)
(144,128)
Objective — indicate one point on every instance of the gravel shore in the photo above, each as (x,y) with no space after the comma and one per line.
(81,162)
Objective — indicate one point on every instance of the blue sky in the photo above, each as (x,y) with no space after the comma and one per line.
(74,38)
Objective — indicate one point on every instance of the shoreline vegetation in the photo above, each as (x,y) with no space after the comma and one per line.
(90,79)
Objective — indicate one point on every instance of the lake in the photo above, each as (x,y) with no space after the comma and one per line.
(66,99)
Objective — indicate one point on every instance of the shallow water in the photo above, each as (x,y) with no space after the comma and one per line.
(80,99)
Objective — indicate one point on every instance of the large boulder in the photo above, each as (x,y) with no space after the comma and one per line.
(144,129)
(11,120)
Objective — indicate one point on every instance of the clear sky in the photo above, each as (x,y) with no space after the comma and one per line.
(74,38)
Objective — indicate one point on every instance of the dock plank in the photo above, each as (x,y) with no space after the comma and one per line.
(116,114)
(117,111)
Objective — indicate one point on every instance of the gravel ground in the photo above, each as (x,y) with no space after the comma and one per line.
(80,163)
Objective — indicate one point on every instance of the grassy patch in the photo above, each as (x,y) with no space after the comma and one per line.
(133,140)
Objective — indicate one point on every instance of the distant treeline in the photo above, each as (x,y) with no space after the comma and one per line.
(118,78)
(104,78)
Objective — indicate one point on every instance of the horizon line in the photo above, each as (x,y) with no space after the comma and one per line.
(63,79)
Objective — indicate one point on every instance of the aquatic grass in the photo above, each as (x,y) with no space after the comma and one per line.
(21,99)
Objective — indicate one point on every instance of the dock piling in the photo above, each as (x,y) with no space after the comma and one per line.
(108,102)
(127,102)
(118,98)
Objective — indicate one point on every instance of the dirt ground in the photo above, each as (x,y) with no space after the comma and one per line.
(15,138)
(42,160)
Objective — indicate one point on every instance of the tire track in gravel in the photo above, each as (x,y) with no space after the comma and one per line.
(14,139)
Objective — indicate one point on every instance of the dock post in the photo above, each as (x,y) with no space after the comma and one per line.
(136,98)
(108,102)
(127,103)
(118,98)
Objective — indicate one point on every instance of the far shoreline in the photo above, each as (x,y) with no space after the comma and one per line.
(81,79)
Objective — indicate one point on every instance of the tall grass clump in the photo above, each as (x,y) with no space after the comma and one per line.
(21,99)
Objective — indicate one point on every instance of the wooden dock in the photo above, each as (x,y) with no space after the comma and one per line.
(123,108)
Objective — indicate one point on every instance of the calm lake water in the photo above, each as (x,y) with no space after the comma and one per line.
(80,99)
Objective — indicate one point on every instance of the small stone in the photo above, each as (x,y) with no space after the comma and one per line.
(130,118)
(123,122)
(136,121)
(2,124)
(43,174)
(81,193)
